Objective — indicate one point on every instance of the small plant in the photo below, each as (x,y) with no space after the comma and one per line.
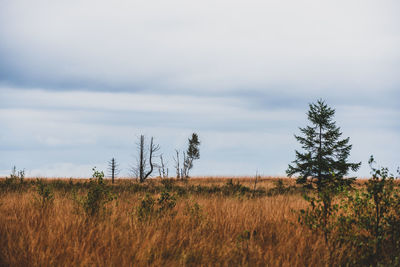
(149,208)
(323,206)
(318,217)
(98,194)
(45,193)
(16,176)
(194,211)
(168,183)
(166,202)
(279,188)
(145,210)
(231,188)
(244,236)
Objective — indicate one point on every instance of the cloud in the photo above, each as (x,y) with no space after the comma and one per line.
(297,47)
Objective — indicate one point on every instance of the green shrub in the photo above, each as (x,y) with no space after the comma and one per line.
(194,211)
(149,208)
(145,210)
(168,183)
(231,188)
(370,221)
(45,193)
(365,221)
(166,202)
(98,194)
(15,182)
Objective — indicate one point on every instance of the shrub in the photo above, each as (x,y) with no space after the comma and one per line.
(168,183)
(231,188)
(149,208)
(145,210)
(370,221)
(166,202)
(98,195)
(45,193)
(365,221)
(194,211)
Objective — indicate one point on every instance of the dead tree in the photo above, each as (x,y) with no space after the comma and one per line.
(162,170)
(180,172)
(145,164)
(255,183)
(113,169)
(177,167)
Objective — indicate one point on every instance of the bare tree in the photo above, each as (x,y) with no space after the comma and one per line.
(177,167)
(145,164)
(162,170)
(185,168)
(180,172)
(113,169)
(255,183)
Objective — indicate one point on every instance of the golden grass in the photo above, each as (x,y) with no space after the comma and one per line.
(229,231)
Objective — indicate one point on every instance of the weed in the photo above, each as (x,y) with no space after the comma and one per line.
(145,210)
(98,194)
(45,193)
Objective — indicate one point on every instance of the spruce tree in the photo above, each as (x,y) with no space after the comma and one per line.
(324,162)
(192,153)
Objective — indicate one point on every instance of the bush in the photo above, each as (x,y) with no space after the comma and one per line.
(194,211)
(365,221)
(145,210)
(168,183)
(231,188)
(149,208)
(370,221)
(45,193)
(98,195)
(166,202)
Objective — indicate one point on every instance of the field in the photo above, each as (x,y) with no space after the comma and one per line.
(163,222)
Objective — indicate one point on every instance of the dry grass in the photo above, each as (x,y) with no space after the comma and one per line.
(228,231)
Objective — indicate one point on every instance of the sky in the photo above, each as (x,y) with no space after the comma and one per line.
(80,81)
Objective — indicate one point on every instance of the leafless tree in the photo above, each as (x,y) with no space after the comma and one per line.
(185,168)
(177,167)
(255,183)
(145,164)
(113,169)
(162,170)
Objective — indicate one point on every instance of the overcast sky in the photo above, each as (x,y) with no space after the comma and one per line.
(81,80)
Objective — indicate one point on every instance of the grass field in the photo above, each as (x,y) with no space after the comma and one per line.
(212,222)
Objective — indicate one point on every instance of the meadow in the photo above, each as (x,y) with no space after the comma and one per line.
(162,222)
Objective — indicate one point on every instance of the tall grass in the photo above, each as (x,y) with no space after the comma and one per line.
(202,229)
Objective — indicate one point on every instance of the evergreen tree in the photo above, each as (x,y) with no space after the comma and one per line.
(192,153)
(325,159)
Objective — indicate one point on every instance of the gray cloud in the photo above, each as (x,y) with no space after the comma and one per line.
(178,47)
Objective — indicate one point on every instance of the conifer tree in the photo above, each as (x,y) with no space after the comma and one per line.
(192,153)
(324,162)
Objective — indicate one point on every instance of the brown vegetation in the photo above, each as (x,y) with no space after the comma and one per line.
(202,229)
